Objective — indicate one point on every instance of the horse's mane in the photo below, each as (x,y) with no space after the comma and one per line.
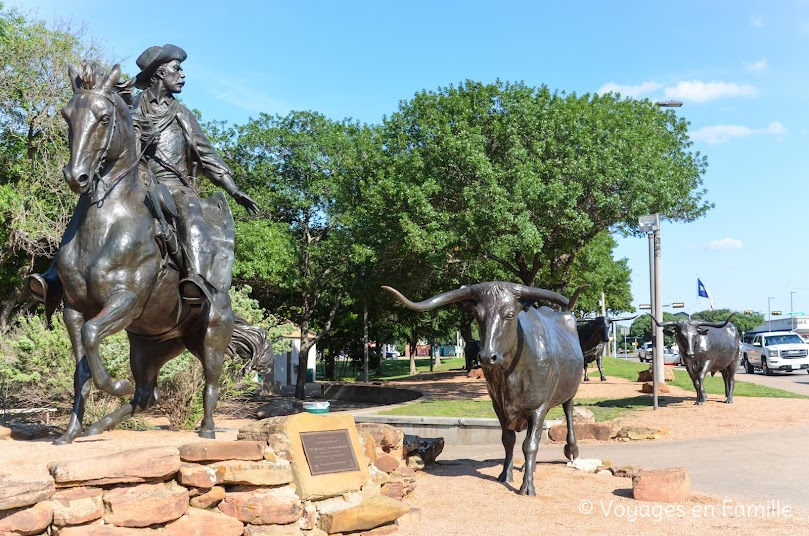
(91,76)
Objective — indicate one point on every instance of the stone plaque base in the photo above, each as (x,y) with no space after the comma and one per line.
(341,439)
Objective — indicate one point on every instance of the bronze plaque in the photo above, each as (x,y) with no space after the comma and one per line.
(329,452)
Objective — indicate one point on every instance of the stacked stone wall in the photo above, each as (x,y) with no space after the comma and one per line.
(222,488)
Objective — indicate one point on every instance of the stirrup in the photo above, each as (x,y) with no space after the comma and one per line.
(194,291)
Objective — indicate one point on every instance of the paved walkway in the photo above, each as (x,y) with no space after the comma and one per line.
(760,466)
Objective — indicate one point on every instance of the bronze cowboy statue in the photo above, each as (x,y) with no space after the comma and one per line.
(134,171)
(174,149)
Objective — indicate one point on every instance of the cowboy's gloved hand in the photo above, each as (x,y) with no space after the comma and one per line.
(246,201)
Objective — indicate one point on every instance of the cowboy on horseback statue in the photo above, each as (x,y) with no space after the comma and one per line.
(174,149)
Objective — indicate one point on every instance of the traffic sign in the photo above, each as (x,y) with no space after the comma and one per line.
(678,305)
(796,314)
(645,306)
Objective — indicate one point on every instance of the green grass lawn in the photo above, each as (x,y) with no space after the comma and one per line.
(603,409)
(393,369)
(714,385)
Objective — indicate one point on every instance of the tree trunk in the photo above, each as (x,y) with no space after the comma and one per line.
(329,368)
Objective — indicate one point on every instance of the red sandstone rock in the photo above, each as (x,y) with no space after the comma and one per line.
(600,431)
(386,436)
(77,506)
(145,504)
(198,522)
(105,530)
(662,485)
(274,530)
(135,465)
(371,513)
(196,475)
(386,463)
(210,499)
(249,473)
(475,374)
(19,493)
(25,521)
(215,451)
(394,488)
(278,506)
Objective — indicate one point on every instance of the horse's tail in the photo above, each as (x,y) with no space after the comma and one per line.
(252,344)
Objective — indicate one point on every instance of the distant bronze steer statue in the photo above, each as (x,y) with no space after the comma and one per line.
(706,347)
(531,360)
(594,333)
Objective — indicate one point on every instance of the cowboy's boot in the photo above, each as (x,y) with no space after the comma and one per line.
(46,289)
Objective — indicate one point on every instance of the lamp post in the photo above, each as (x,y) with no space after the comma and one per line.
(769,313)
(651,225)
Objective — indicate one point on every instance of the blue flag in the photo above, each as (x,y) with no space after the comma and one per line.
(703,292)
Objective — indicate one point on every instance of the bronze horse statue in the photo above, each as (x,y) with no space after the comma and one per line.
(115,275)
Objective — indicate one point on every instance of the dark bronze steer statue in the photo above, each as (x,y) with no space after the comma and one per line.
(531,360)
(706,347)
(593,335)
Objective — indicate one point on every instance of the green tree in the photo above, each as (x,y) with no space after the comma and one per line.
(596,267)
(526,177)
(303,168)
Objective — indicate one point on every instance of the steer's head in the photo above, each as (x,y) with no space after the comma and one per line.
(688,333)
(496,306)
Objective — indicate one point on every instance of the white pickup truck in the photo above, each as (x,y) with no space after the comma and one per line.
(775,351)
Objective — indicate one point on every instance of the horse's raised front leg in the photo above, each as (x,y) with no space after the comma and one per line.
(117,314)
(81,377)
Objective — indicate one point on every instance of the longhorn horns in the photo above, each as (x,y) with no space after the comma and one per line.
(468,293)
(703,323)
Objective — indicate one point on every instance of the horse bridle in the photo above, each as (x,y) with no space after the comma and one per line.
(110,183)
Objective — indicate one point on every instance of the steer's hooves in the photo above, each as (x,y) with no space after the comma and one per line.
(527,489)
(505,476)
(65,439)
(571,452)
(207,434)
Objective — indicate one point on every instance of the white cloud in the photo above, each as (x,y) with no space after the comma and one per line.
(635,91)
(757,66)
(725,243)
(756,21)
(722,133)
(698,91)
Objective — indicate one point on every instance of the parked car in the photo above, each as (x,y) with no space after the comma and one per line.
(671,355)
(392,355)
(645,352)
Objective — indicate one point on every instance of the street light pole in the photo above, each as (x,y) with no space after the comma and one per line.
(791,310)
(769,313)
(651,225)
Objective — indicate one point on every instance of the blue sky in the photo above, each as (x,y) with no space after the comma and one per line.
(739,67)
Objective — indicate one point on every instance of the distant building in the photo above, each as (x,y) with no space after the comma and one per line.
(798,324)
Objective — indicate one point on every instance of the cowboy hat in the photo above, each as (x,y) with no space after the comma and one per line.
(154,57)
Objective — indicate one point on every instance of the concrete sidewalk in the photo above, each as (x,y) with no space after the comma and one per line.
(761,466)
